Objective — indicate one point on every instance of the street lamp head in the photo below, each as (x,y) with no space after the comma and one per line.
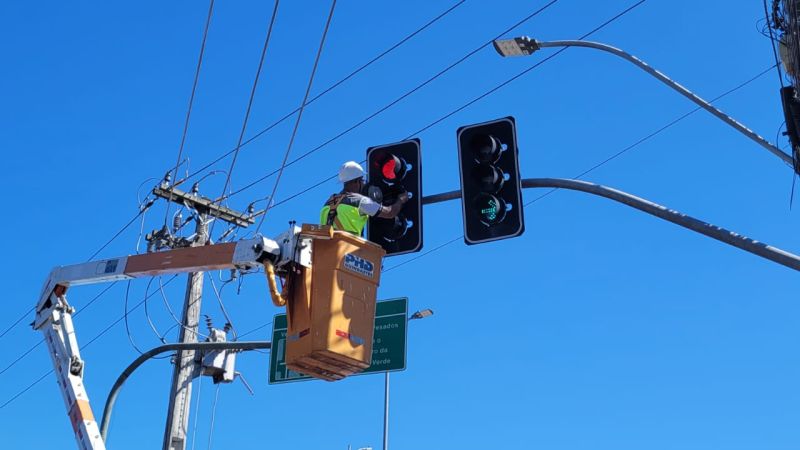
(520,46)
(421,314)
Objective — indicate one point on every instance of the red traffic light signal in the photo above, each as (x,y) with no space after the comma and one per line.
(395,169)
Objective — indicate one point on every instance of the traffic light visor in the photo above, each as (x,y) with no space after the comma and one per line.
(487,148)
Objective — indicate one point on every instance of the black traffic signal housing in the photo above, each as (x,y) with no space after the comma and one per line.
(397,168)
(491,191)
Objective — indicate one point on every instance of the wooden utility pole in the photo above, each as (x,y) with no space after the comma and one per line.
(186,368)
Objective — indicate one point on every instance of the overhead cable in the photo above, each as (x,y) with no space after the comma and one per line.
(601,163)
(249,106)
(327,90)
(191,101)
(299,113)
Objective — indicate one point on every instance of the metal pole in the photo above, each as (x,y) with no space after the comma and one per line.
(203,346)
(734,239)
(386,413)
(676,86)
(186,368)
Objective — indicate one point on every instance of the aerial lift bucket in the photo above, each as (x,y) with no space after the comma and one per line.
(331,305)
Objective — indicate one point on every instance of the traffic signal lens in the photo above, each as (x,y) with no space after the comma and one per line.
(491,209)
(398,228)
(391,167)
(487,148)
(491,178)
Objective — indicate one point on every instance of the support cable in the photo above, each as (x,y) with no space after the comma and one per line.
(299,113)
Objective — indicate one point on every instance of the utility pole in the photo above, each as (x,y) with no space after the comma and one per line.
(186,367)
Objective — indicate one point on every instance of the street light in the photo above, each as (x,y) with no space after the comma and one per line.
(525,46)
(421,314)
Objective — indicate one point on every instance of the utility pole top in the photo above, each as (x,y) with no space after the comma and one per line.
(204,205)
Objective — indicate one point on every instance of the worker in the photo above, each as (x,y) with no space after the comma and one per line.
(349,210)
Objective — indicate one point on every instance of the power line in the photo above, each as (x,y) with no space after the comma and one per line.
(300,113)
(41,341)
(213,416)
(482,96)
(218,295)
(197,410)
(16,322)
(605,161)
(191,101)
(397,100)
(142,209)
(249,105)
(260,327)
(125,316)
(98,336)
(772,42)
(147,315)
(263,131)
(329,89)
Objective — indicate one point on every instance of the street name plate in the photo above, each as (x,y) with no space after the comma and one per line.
(388,343)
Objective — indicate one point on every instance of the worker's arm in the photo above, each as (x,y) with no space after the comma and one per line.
(390,212)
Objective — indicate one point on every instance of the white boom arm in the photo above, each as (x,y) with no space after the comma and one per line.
(54,314)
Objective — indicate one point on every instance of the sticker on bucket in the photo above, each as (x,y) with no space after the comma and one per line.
(297,336)
(356,340)
(359,265)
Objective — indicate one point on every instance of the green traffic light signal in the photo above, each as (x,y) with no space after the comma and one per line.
(490,182)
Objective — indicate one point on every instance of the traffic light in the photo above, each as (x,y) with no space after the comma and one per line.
(491,195)
(397,168)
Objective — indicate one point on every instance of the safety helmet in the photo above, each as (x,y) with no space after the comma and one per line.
(350,171)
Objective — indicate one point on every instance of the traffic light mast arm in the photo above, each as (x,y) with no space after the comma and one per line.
(761,249)
(527,46)
(203,346)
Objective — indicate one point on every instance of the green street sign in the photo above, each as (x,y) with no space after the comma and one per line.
(388,343)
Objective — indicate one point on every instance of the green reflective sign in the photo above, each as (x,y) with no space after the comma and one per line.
(388,343)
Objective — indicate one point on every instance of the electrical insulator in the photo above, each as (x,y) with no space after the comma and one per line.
(177,222)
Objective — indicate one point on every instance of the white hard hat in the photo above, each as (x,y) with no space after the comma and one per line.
(350,171)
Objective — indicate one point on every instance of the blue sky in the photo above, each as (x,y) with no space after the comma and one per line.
(599,328)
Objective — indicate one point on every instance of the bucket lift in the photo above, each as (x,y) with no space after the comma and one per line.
(330,293)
